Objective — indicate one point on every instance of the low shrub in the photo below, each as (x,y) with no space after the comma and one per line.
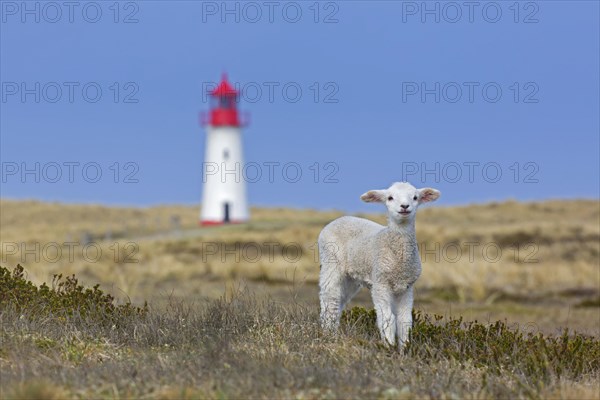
(65,297)
(495,346)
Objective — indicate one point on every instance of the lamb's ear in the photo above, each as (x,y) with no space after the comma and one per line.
(374,196)
(428,194)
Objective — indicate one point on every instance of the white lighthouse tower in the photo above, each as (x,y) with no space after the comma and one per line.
(224,193)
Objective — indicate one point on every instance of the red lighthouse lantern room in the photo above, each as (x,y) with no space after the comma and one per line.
(223,105)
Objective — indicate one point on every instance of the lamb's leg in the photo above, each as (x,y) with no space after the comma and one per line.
(330,296)
(336,293)
(404,306)
(386,320)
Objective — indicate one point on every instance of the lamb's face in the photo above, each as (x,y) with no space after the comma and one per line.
(401,199)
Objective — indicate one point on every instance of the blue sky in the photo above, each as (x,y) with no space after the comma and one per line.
(380,85)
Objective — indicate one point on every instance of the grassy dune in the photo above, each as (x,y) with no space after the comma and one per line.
(233,309)
(478,252)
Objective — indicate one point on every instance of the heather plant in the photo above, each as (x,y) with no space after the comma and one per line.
(64,298)
(496,346)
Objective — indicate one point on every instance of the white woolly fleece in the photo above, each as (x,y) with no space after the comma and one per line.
(357,252)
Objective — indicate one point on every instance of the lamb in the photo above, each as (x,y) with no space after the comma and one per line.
(356,252)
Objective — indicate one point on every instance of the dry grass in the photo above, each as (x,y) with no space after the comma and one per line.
(547,248)
(242,347)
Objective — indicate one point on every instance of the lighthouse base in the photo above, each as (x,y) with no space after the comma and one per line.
(217,223)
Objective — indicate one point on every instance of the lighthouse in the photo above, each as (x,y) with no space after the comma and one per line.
(224,192)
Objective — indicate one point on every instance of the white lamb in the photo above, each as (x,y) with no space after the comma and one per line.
(356,252)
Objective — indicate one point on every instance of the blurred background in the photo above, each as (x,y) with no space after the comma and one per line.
(493,103)
(367,87)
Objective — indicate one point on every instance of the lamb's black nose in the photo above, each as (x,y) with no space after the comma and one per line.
(405,206)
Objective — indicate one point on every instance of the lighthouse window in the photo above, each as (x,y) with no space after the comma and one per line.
(225,102)
(226,154)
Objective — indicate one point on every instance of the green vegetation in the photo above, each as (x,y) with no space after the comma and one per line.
(65,298)
(56,343)
(494,346)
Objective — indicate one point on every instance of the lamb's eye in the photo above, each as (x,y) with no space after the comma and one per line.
(390,198)
(414,198)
